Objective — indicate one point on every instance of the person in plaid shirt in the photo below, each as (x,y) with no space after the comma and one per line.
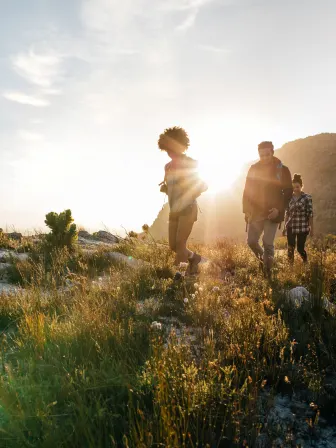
(298,220)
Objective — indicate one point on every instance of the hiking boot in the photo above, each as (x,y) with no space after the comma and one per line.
(193,264)
(177,277)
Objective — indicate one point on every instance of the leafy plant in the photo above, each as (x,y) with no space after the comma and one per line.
(63,232)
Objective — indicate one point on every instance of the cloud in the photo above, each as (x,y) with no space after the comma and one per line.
(52,92)
(44,69)
(213,49)
(112,17)
(30,136)
(188,22)
(22,98)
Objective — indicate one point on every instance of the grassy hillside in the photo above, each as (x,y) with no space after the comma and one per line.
(132,359)
(313,157)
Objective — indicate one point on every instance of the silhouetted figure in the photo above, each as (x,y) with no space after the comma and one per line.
(298,220)
(183,186)
(267,192)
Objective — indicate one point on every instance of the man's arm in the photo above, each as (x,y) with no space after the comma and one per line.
(247,206)
(287,186)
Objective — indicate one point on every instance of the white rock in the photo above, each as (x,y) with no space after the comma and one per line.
(298,295)
(7,288)
(5,255)
(4,266)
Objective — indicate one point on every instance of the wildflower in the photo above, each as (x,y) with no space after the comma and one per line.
(118,288)
(200,289)
(215,289)
(186,300)
(196,285)
(193,296)
(183,266)
(156,325)
(100,279)
(226,314)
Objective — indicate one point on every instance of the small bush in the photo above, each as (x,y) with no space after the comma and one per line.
(63,232)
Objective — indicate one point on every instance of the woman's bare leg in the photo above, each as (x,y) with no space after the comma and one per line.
(185,225)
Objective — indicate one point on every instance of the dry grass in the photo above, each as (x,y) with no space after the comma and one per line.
(83,367)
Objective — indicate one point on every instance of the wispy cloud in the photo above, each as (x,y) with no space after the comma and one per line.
(22,98)
(213,49)
(183,5)
(188,22)
(52,92)
(41,69)
(112,17)
(30,136)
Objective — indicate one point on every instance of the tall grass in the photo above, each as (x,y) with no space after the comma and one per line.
(84,367)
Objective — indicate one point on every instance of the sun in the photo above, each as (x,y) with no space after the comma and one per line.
(219,174)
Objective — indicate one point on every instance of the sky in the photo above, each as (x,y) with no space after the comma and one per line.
(87,86)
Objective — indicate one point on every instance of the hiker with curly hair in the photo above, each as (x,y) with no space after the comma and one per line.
(183,186)
(298,220)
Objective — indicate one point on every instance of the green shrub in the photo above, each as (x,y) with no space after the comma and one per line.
(63,232)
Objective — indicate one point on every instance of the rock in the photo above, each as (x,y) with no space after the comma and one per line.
(107,236)
(298,296)
(4,267)
(280,417)
(263,441)
(6,255)
(328,306)
(86,235)
(7,288)
(90,242)
(14,236)
(98,239)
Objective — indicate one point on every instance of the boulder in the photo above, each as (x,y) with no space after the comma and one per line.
(299,295)
(14,236)
(6,255)
(7,288)
(86,235)
(107,236)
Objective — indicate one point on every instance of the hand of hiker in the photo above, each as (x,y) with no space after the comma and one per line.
(273,213)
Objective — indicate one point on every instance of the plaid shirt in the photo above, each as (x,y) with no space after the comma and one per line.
(298,213)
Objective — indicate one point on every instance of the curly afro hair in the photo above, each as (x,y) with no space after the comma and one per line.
(174,139)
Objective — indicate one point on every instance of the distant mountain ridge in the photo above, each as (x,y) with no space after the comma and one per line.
(221,215)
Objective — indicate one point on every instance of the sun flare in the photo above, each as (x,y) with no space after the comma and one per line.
(220,175)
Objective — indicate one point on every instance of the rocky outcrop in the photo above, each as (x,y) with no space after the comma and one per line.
(98,238)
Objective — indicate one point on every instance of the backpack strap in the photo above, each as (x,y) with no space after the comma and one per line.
(279,171)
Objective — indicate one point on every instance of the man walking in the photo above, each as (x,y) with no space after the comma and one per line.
(267,192)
